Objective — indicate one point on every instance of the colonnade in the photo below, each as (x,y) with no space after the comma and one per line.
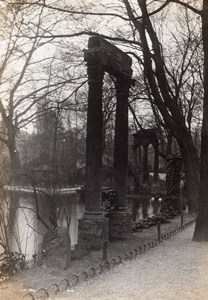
(101,57)
(142,141)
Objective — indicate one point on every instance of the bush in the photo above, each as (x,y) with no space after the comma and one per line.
(108,200)
(148,222)
(10,263)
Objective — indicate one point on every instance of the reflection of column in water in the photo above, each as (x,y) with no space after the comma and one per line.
(155,206)
(18,229)
(27,230)
(135,209)
(31,230)
(141,208)
(144,207)
(77,210)
(70,209)
(13,201)
(151,208)
(23,233)
(73,225)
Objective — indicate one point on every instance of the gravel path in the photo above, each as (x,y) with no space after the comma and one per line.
(175,270)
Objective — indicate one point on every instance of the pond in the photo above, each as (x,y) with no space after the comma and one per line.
(26,232)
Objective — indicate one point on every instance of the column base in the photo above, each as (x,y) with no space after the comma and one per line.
(92,230)
(120,224)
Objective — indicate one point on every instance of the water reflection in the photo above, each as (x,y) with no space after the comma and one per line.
(26,231)
(143,206)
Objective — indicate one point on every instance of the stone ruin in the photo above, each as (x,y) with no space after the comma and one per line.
(172,202)
(101,56)
(142,140)
(94,228)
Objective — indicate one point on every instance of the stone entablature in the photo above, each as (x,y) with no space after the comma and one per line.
(113,60)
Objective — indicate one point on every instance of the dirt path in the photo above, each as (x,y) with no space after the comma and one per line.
(42,277)
(176,270)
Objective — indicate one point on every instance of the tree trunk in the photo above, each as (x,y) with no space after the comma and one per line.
(191,167)
(14,161)
(201,229)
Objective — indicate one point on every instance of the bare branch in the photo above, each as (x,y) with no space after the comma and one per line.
(118,39)
(75,12)
(197,11)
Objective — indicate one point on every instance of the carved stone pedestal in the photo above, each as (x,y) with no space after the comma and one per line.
(92,232)
(120,224)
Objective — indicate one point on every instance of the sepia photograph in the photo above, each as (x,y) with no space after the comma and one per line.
(104,149)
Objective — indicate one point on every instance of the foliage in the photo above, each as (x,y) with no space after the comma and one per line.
(108,200)
(11,263)
(149,222)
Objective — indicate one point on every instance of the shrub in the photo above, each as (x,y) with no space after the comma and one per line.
(10,263)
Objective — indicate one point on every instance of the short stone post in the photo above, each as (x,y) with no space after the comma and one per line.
(159,231)
(181,219)
(105,244)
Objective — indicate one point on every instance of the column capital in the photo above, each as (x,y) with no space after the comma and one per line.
(95,72)
(123,84)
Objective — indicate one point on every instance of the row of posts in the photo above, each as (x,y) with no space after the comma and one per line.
(105,242)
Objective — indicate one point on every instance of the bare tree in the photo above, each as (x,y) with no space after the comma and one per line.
(21,84)
(142,33)
(141,38)
(201,229)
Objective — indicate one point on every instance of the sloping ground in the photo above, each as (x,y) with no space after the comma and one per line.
(36,278)
(176,270)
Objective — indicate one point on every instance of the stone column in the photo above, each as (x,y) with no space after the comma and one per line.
(145,163)
(91,226)
(156,163)
(121,141)
(136,169)
(94,140)
(120,219)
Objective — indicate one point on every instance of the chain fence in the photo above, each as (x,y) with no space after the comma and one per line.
(75,279)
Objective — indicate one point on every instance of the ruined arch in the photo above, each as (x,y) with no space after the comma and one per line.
(101,56)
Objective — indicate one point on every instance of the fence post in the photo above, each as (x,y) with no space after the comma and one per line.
(105,250)
(159,231)
(105,242)
(181,219)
